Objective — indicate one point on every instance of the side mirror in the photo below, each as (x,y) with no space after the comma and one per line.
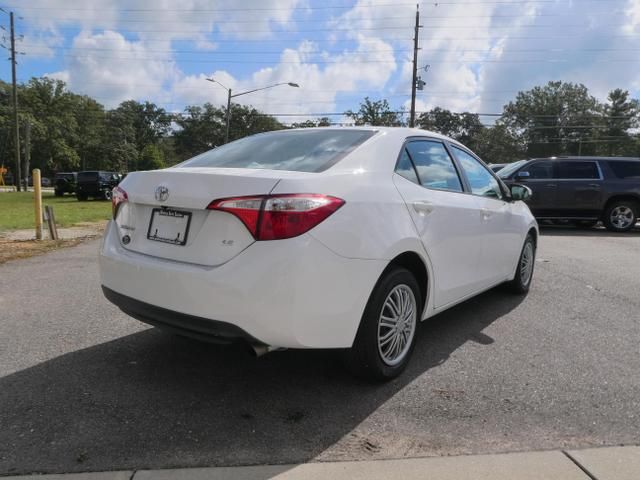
(523,175)
(520,192)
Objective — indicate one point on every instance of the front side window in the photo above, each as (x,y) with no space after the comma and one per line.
(539,170)
(434,165)
(296,150)
(480,179)
(577,170)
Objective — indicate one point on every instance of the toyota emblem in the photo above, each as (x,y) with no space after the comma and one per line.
(162,193)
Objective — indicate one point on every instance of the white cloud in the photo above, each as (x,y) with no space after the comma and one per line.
(320,83)
(111,68)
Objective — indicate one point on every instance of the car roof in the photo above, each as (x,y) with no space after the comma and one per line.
(392,131)
(575,158)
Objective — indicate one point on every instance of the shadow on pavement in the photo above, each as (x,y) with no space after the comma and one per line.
(571,231)
(152,400)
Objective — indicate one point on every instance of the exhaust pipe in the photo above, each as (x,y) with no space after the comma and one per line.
(260,349)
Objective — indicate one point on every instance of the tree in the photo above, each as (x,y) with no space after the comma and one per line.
(203,128)
(464,127)
(498,144)
(144,123)
(54,130)
(151,158)
(375,113)
(621,116)
(556,119)
(319,122)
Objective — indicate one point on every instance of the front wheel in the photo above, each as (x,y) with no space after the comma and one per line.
(387,334)
(621,216)
(524,273)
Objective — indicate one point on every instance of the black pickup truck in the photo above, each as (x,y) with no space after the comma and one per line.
(65,182)
(583,190)
(96,184)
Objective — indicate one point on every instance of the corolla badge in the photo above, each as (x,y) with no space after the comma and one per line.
(162,193)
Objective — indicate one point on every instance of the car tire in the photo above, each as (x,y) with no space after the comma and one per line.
(58,193)
(526,264)
(621,215)
(106,195)
(82,197)
(372,356)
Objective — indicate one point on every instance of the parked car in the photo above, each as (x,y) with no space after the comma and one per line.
(496,167)
(96,184)
(583,190)
(44,182)
(308,239)
(65,182)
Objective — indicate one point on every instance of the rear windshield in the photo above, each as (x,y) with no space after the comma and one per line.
(87,176)
(625,169)
(298,151)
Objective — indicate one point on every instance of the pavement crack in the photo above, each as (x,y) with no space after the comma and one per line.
(579,465)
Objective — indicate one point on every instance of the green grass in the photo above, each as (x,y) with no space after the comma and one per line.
(17,210)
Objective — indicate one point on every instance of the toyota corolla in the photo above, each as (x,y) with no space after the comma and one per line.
(339,238)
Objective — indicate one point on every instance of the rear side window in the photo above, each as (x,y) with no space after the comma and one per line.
(434,165)
(625,169)
(298,151)
(577,170)
(405,167)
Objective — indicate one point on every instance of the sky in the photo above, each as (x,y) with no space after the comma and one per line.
(479,53)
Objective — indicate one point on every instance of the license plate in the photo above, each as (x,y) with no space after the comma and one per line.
(169,226)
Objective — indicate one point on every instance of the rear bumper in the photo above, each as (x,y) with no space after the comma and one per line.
(201,328)
(292,293)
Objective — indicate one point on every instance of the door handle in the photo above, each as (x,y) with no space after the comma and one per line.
(551,185)
(486,214)
(423,208)
(593,185)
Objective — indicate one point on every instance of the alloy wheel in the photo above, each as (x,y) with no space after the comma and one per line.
(397,325)
(526,263)
(621,217)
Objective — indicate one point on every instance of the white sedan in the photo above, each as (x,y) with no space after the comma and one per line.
(316,238)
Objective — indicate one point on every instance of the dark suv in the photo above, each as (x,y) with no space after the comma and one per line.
(65,182)
(96,184)
(581,189)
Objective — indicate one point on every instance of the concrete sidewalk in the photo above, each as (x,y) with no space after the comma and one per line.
(606,463)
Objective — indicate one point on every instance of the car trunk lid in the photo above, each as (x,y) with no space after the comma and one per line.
(166,213)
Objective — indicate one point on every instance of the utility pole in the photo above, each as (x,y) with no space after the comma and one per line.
(27,151)
(414,83)
(16,131)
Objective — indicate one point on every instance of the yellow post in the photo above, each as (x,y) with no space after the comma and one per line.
(38,202)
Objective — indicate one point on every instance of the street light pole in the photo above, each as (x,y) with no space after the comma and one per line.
(230,96)
(226,136)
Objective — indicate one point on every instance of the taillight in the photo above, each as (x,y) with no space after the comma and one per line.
(275,217)
(118,197)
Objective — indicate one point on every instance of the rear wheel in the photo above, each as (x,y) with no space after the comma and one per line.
(387,332)
(82,197)
(58,193)
(621,216)
(522,281)
(106,194)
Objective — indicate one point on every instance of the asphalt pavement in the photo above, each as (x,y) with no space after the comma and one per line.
(85,388)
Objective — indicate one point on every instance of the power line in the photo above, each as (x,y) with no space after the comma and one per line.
(443,3)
